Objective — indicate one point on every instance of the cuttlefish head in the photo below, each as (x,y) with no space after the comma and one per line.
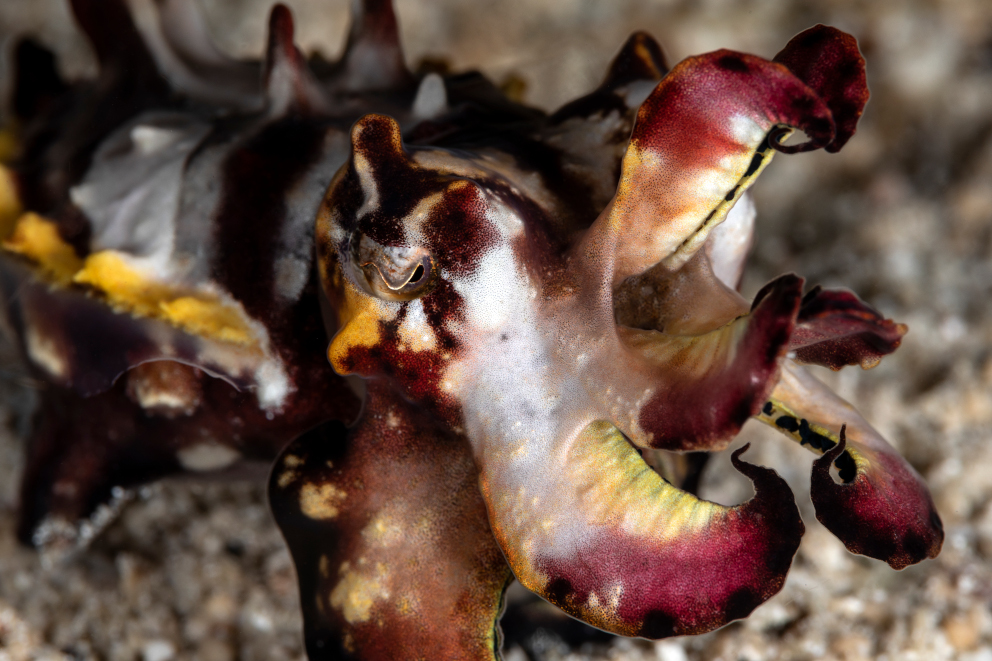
(415,245)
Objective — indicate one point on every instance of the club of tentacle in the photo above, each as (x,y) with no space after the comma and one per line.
(198,251)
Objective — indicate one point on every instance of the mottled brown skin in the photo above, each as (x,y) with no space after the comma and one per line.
(94,431)
(59,142)
(390,538)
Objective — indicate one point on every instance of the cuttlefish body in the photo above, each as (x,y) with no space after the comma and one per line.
(531,306)
(512,340)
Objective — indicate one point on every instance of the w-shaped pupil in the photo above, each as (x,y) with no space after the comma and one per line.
(417,275)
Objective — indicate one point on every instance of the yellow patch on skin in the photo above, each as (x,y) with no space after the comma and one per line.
(404,606)
(129,290)
(10,202)
(322,501)
(632,162)
(38,239)
(360,316)
(619,492)
(209,319)
(356,594)
(286,478)
(291,461)
(619,483)
(384,530)
(126,288)
(325,566)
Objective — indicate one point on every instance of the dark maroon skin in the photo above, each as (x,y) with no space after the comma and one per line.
(888,496)
(828,61)
(835,328)
(84,447)
(697,585)
(737,392)
(90,436)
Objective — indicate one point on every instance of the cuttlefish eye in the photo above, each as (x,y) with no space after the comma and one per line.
(397,273)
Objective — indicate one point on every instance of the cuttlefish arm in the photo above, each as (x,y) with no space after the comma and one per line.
(693,389)
(881,508)
(705,134)
(607,540)
(698,360)
(835,328)
(390,539)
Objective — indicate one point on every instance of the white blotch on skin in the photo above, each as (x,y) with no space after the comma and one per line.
(432,99)
(45,354)
(488,284)
(291,277)
(150,139)
(636,93)
(415,332)
(207,457)
(413,222)
(746,131)
(730,242)
(273,385)
(369,187)
(131,193)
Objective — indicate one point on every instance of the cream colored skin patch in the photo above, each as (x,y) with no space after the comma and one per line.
(287,477)
(45,353)
(165,387)
(321,501)
(383,531)
(163,399)
(359,589)
(204,457)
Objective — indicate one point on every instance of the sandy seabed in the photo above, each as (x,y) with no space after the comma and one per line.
(903,216)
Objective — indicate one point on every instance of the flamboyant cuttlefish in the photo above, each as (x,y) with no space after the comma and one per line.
(532,302)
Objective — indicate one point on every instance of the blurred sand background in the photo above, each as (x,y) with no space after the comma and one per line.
(903,216)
